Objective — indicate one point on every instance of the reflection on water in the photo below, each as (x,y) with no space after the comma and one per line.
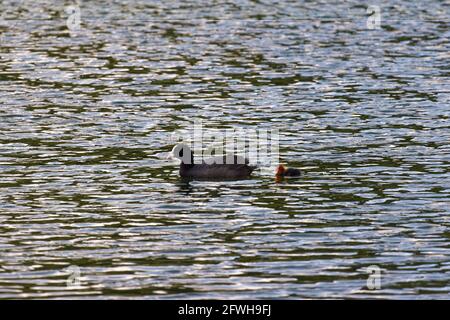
(86,121)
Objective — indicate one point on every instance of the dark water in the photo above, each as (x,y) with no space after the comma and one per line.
(86,119)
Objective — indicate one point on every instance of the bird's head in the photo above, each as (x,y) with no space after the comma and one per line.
(280,170)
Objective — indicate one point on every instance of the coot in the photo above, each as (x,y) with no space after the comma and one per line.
(282,171)
(220,167)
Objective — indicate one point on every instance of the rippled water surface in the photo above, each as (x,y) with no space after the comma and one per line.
(87,116)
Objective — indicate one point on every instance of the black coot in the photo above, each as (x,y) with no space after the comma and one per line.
(220,167)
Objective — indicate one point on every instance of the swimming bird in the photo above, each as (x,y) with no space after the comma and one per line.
(220,167)
(282,171)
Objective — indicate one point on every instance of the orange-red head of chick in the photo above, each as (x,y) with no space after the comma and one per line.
(280,171)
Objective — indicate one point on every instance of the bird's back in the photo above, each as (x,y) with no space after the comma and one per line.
(227,166)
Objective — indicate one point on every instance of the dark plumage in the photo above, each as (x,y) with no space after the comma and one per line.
(219,167)
(282,171)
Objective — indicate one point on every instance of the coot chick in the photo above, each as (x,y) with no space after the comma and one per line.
(282,171)
(219,167)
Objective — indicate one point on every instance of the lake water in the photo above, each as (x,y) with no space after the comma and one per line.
(91,208)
